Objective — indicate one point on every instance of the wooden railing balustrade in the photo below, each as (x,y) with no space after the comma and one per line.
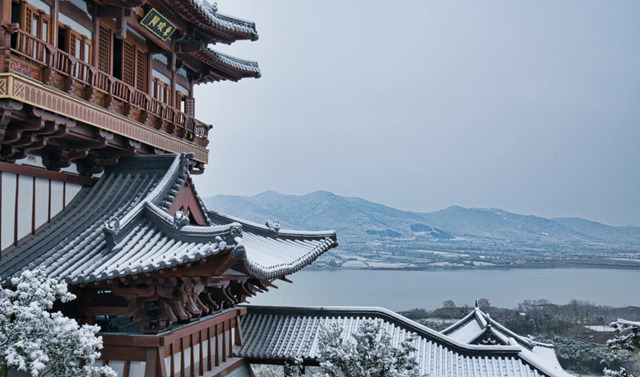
(60,69)
(191,350)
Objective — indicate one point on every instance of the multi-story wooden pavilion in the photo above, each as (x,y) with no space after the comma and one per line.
(106,87)
(87,82)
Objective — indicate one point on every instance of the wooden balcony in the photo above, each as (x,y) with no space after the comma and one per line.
(32,57)
(203,348)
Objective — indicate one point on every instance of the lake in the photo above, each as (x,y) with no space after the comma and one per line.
(402,290)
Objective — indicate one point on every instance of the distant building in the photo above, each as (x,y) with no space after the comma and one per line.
(474,346)
(98,142)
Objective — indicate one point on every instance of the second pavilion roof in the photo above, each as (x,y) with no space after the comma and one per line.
(143,216)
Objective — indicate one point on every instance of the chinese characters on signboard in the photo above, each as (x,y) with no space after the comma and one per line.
(158,25)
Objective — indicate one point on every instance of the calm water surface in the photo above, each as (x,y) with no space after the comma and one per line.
(402,290)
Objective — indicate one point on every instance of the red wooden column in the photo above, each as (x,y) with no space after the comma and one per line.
(1,214)
(155,366)
(53,25)
(5,11)
(5,38)
(95,38)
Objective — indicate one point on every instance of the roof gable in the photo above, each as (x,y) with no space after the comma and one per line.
(188,202)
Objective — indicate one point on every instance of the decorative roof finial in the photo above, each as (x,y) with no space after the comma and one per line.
(273,227)
(180,219)
(110,229)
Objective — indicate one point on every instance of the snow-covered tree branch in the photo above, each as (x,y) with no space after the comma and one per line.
(368,353)
(627,339)
(38,342)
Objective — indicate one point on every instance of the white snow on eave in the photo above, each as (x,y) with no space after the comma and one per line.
(546,360)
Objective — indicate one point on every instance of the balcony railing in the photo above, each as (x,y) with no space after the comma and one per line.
(202,348)
(57,68)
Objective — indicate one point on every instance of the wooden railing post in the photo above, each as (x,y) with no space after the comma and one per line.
(7,31)
(238,332)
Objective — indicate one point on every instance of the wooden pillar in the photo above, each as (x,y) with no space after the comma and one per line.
(15,216)
(53,25)
(33,206)
(121,23)
(238,341)
(150,68)
(172,67)
(95,38)
(154,366)
(5,38)
(5,12)
(0,215)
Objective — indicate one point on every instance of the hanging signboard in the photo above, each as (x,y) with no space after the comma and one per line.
(158,24)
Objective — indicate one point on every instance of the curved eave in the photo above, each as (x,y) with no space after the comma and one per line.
(224,67)
(256,269)
(261,250)
(215,27)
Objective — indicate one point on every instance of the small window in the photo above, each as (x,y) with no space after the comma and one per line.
(45,30)
(87,52)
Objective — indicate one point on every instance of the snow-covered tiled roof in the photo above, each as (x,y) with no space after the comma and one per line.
(229,67)
(272,254)
(478,327)
(278,333)
(121,227)
(220,28)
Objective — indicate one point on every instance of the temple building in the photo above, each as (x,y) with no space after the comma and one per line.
(474,346)
(98,142)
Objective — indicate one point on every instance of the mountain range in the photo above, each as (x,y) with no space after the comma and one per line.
(366,226)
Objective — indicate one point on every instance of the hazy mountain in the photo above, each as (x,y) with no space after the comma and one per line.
(357,220)
(600,231)
(352,218)
(496,223)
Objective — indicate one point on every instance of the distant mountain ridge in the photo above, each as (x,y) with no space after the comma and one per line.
(357,220)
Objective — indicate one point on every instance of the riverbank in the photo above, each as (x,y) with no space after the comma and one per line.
(481,267)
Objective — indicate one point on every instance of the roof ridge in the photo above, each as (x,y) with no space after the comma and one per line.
(266,230)
(383,313)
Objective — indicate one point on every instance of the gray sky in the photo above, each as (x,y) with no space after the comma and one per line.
(532,107)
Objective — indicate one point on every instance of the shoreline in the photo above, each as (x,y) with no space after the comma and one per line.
(548,265)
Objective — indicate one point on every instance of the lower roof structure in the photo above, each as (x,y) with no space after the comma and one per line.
(141,243)
(276,334)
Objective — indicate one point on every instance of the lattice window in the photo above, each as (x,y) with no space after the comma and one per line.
(128,63)
(104,49)
(28,19)
(72,44)
(34,21)
(190,106)
(141,70)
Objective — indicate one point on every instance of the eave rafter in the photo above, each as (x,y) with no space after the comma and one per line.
(158,299)
(223,67)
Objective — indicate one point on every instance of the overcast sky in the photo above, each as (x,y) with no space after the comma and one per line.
(532,107)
